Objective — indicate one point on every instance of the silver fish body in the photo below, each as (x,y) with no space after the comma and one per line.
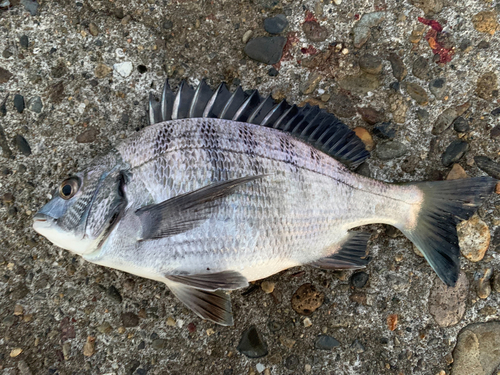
(207,204)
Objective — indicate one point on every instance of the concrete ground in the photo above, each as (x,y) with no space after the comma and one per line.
(76,76)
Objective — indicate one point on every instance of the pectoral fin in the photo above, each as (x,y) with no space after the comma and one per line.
(185,212)
(213,306)
(352,254)
(225,280)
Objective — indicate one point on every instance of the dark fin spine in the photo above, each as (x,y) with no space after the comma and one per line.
(351,255)
(217,102)
(154,111)
(201,97)
(167,102)
(445,204)
(261,111)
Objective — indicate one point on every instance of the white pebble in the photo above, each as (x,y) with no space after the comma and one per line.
(337,2)
(307,322)
(260,367)
(247,36)
(124,69)
(119,53)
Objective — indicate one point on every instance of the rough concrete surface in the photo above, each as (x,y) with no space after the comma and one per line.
(76,75)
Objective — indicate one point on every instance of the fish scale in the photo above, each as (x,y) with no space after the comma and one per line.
(207,204)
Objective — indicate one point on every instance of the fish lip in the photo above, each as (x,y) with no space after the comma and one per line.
(42,221)
(39,217)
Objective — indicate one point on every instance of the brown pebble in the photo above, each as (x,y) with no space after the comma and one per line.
(497,189)
(89,347)
(307,299)
(370,115)
(94,30)
(267,286)
(456,173)
(365,136)
(102,71)
(392,322)
(484,284)
(474,238)
(485,22)
(8,198)
(88,136)
(358,297)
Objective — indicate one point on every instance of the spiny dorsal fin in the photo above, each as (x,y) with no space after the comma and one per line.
(309,123)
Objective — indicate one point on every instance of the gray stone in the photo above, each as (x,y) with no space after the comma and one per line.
(314,31)
(114,294)
(398,68)
(159,344)
(358,346)
(417,93)
(421,68)
(422,115)
(129,319)
(454,152)
(23,41)
(35,104)
(359,279)
(22,145)
(478,349)
(445,119)
(325,342)
(447,304)
(360,84)
(19,103)
(489,166)
(88,136)
(361,30)
(438,87)
(342,105)
(385,130)
(252,344)
(266,49)
(23,368)
(370,64)
(275,25)
(31,6)
(461,125)
(390,150)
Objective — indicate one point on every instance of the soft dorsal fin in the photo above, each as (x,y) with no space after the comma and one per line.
(309,123)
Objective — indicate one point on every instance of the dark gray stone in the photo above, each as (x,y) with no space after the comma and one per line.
(275,25)
(129,319)
(461,125)
(23,41)
(252,344)
(35,104)
(421,68)
(23,145)
(31,6)
(114,294)
(454,152)
(438,87)
(370,64)
(489,166)
(483,44)
(291,362)
(496,112)
(357,346)
(359,279)
(385,130)
(266,49)
(398,68)
(167,25)
(325,342)
(159,344)
(390,150)
(19,103)
(272,72)
(464,44)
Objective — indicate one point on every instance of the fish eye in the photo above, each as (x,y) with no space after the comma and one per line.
(69,187)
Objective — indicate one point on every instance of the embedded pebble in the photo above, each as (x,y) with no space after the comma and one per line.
(361,30)
(371,115)
(342,105)
(446,118)
(390,150)
(22,145)
(285,341)
(454,152)
(496,112)
(246,37)
(430,7)
(89,347)
(35,104)
(314,31)
(88,136)
(489,166)
(124,69)
(23,368)
(496,281)
(359,279)
(308,86)
(487,87)
(114,294)
(477,349)
(456,173)
(24,42)
(266,49)
(15,352)
(307,299)
(370,64)
(325,342)
(438,87)
(483,285)
(94,30)
(5,75)
(358,346)
(421,68)
(102,71)
(105,327)
(307,322)
(474,238)
(252,343)
(159,344)
(385,130)
(398,68)
(461,125)
(267,286)
(422,115)
(129,319)
(417,92)
(275,25)
(19,103)
(291,362)
(398,107)
(495,132)
(31,6)
(485,22)
(365,137)
(361,83)
(447,304)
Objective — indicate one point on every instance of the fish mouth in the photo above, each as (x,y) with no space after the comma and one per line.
(41,221)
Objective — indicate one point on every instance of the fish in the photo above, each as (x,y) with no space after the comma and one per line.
(226,188)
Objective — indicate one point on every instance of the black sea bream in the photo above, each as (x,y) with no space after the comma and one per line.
(226,188)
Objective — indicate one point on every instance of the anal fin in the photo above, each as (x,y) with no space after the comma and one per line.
(225,280)
(352,254)
(213,306)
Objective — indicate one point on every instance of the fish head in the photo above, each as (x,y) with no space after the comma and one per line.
(84,207)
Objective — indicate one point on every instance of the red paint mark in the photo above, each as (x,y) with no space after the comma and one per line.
(437,41)
(310,50)
(291,40)
(434,24)
(310,17)
(356,17)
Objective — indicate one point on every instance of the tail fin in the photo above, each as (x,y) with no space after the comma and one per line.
(446,203)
